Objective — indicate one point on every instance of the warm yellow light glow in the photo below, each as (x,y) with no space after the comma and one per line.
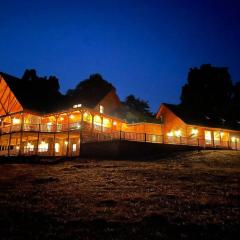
(72,116)
(114,123)
(221,134)
(85,114)
(101,109)
(195,131)
(74,147)
(61,118)
(234,139)
(57,147)
(154,138)
(208,137)
(66,142)
(17,147)
(30,147)
(97,120)
(16,121)
(43,147)
(170,134)
(77,105)
(178,133)
(105,122)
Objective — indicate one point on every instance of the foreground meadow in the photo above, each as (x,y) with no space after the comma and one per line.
(192,195)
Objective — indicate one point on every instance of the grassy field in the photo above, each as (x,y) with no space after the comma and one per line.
(192,195)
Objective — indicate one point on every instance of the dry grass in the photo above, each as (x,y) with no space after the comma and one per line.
(183,196)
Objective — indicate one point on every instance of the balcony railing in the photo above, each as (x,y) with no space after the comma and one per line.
(93,133)
(51,128)
(153,138)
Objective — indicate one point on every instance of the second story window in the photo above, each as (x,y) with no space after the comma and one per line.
(101,109)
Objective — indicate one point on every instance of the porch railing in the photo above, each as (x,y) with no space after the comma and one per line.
(93,133)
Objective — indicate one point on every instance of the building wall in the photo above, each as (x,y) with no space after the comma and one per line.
(171,123)
(194,134)
(110,102)
(149,128)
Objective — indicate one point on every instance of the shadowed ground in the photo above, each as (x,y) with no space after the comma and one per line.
(193,195)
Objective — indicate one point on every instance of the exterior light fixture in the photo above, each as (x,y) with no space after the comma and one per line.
(114,123)
(77,105)
(195,132)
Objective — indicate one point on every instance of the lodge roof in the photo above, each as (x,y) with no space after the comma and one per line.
(203,119)
(34,95)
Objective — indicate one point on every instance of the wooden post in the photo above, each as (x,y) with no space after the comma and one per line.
(92,130)
(145,137)
(21,134)
(39,129)
(80,132)
(198,145)
(67,150)
(54,139)
(101,123)
(10,137)
(213,140)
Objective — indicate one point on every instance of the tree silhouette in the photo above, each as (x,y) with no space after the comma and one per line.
(209,89)
(41,93)
(89,91)
(138,105)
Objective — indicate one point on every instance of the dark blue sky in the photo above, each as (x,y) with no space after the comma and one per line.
(144,47)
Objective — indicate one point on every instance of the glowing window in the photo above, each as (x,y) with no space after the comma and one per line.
(170,134)
(101,109)
(106,122)
(57,147)
(208,137)
(178,133)
(194,132)
(43,147)
(30,147)
(16,121)
(74,147)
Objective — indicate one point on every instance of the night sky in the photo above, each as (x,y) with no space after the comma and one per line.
(144,47)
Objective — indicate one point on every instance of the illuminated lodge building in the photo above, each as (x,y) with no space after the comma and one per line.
(24,130)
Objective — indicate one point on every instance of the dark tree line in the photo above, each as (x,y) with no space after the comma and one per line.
(90,90)
(41,93)
(210,89)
